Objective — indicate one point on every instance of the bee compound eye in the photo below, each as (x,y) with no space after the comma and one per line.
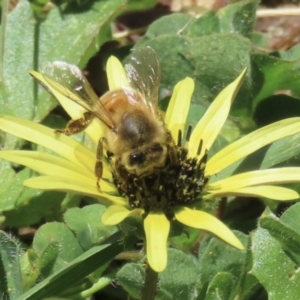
(137,158)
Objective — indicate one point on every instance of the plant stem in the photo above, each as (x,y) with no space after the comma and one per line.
(130,255)
(278,12)
(5,4)
(128,33)
(150,286)
(102,283)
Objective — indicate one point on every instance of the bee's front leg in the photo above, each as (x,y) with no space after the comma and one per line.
(171,148)
(121,172)
(99,164)
(78,125)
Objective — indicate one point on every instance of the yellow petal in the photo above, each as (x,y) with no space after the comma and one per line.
(44,136)
(73,185)
(75,179)
(259,177)
(116,74)
(179,106)
(250,143)
(115,214)
(157,228)
(202,220)
(213,120)
(95,130)
(265,191)
(47,164)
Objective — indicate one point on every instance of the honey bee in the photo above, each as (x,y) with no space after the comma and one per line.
(136,138)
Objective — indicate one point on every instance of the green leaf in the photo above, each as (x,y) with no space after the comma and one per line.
(286,230)
(23,206)
(33,266)
(183,238)
(59,233)
(10,272)
(207,24)
(47,258)
(168,25)
(30,206)
(131,278)
(178,281)
(65,35)
(180,278)
(137,4)
(10,185)
(279,152)
(218,59)
(272,74)
(291,217)
(213,60)
(288,238)
(252,289)
(259,40)
(87,226)
(282,107)
(73,273)
(273,268)
(174,63)
(292,54)
(220,287)
(216,257)
(238,17)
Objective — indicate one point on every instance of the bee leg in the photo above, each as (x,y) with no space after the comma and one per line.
(78,125)
(99,164)
(121,171)
(171,148)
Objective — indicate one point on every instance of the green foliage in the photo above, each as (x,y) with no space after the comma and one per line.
(74,273)
(71,254)
(179,279)
(44,42)
(219,270)
(275,250)
(10,272)
(86,224)
(58,255)
(213,50)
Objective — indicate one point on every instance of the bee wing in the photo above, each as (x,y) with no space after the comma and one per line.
(69,81)
(143,71)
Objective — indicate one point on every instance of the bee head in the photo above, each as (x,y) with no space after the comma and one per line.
(145,159)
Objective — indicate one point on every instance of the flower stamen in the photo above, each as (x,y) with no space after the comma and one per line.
(179,138)
(188,135)
(200,147)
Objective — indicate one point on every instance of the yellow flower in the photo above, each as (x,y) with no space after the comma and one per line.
(189,183)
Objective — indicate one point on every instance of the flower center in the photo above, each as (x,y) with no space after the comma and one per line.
(175,183)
